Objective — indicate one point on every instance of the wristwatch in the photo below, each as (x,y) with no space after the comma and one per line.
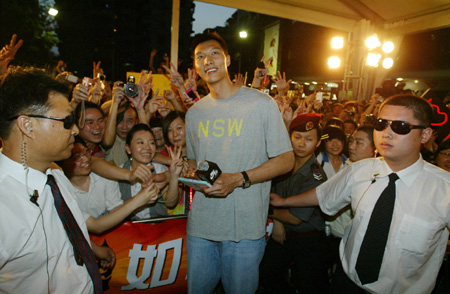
(246,184)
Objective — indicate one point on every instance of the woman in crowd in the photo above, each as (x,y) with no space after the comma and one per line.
(141,146)
(332,157)
(174,133)
(99,198)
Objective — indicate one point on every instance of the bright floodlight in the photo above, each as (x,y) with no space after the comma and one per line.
(243,34)
(337,43)
(372,42)
(52,11)
(388,63)
(373,59)
(388,47)
(334,62)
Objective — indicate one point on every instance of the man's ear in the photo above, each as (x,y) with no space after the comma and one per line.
(426,135)
(25,126)
(228,60)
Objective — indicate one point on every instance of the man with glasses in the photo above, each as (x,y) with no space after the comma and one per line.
(401,205)
(44,244)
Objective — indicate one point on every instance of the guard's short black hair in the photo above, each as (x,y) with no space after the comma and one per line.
(25,90)
(421,108)
(206,37)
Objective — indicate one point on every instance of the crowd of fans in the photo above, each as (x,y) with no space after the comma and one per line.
(130,151)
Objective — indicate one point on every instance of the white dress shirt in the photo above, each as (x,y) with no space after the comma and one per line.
(102,197)
(36,255)
(418,236)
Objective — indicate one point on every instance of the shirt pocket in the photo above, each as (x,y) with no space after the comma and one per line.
(416,235)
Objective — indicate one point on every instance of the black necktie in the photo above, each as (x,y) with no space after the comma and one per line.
(372,249)
(81,248)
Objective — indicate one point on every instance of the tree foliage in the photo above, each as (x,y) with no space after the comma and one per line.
(31,22)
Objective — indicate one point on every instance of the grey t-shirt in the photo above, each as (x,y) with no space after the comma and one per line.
(238,133)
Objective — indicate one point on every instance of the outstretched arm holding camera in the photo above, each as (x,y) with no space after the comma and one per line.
(145,85)
(110,129)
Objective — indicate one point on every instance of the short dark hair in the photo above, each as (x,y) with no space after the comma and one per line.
(349,121)
(137,128)
(206,37)
(87,105)
(25,90)
(173,115)
(155,122)
(369,131)
(422,110)
(122,110)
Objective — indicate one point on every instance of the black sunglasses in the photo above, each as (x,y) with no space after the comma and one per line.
(68,121)
(398,126)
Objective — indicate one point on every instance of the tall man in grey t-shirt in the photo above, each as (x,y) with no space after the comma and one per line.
(241,130)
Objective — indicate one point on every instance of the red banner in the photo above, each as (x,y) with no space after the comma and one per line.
(150,257)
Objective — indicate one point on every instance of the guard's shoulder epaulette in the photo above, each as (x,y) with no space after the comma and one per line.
(318,173)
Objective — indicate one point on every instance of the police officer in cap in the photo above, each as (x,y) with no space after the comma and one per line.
(298,233)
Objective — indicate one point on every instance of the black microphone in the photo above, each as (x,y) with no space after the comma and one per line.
(34,197)
(208,171)
(374,178)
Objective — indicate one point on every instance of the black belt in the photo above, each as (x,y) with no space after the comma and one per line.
(303,234)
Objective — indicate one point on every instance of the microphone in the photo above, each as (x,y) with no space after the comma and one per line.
(208,171)
(34,197)
(374,178)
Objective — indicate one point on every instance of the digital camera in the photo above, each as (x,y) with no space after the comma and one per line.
(130,88)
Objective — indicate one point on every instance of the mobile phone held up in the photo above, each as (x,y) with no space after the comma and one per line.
(262,66)
(319,97)
(87,82)
(191,94)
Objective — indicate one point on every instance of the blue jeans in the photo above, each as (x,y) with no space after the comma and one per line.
(236,263)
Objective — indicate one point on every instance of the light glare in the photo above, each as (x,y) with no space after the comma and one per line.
(334,62)
(337,43)
(388,63)
(52,11)
(373,59)
(372,42)
(388,47)
(243,34)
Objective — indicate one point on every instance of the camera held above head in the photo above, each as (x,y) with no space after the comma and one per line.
(131,89)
